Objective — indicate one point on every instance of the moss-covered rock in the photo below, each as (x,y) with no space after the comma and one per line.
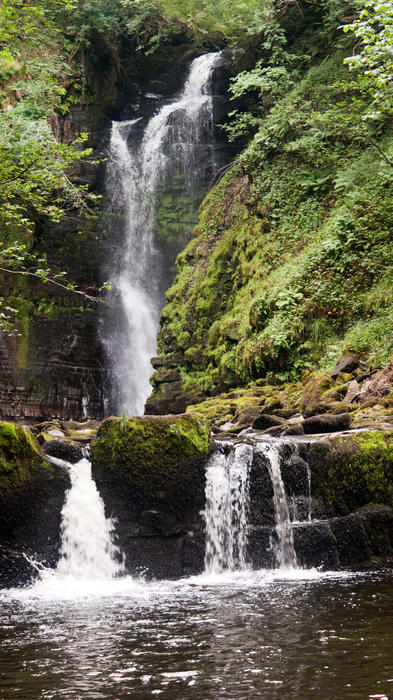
(20,455)
(161,457)
(32,493)
(151,474)
(351,471)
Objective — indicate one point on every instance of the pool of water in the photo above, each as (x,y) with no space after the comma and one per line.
(261,634)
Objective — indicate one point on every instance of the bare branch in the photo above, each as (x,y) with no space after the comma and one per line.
(50,280)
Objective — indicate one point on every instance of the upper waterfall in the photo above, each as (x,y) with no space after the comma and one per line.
(170,149)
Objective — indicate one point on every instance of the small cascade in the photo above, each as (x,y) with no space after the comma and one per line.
(88,550)
(283,549)
(176,148)
(227,494)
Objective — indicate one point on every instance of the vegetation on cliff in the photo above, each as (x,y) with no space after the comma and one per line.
(291,262)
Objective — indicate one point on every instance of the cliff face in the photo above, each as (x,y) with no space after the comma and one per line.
(291,260)
(54,365)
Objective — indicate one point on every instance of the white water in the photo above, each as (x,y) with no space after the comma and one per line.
(283,548)
(226,510)
(88,554)
(170,143)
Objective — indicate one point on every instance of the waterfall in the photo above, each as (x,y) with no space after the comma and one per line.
(227,505)
(227,492)
(283,548)
(176,143)
(87,550)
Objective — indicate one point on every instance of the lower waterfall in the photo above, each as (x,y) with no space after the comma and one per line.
(226,510)
(88,549)
(90,562)
(227,506)
(283,549)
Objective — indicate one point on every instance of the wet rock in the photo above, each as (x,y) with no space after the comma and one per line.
(316,545)
(63,449)
(294,472)
(150,472)
(15,569)
(347,363)
(380,385)
(274,431)
(294,429)
(327,423)
(248,417)
(265,421)
(353,391)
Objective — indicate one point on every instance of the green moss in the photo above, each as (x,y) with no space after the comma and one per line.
(157,455)
(353,470)
(291,262)
(229,406)
(19,455)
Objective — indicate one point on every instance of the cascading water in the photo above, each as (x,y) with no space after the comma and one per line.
(176,144)
(227,505)
(283,548)
(227,492)
(88,550)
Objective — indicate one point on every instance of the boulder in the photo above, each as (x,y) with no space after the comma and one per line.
(347,363)
(265,421)
(32,494)
(353,391)
(150,472)
(317,396)
(294,429)
(326,423)
(248,416)
(63,449)
(380,385)
(351,471)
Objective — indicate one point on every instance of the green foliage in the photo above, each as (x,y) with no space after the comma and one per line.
(35,185)
(294,245)
(112,21)
(374,31)
(222,20)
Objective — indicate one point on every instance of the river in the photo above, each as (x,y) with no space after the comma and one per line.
(240,635)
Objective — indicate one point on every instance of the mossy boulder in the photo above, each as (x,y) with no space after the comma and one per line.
(32,493)
(352,471)
(150,472)
(161,457)
(320,395)
(19,456)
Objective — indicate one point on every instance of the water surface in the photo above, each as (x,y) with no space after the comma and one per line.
(243,635)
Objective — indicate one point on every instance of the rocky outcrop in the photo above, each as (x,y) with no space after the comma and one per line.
(351,501)
(32,494)
(54,370)
(150,473)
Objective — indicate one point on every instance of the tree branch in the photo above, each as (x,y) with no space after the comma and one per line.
(380,151)
(50,280)
(21,172)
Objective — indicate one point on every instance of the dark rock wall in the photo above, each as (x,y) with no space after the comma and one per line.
(150,473)
(55,365)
